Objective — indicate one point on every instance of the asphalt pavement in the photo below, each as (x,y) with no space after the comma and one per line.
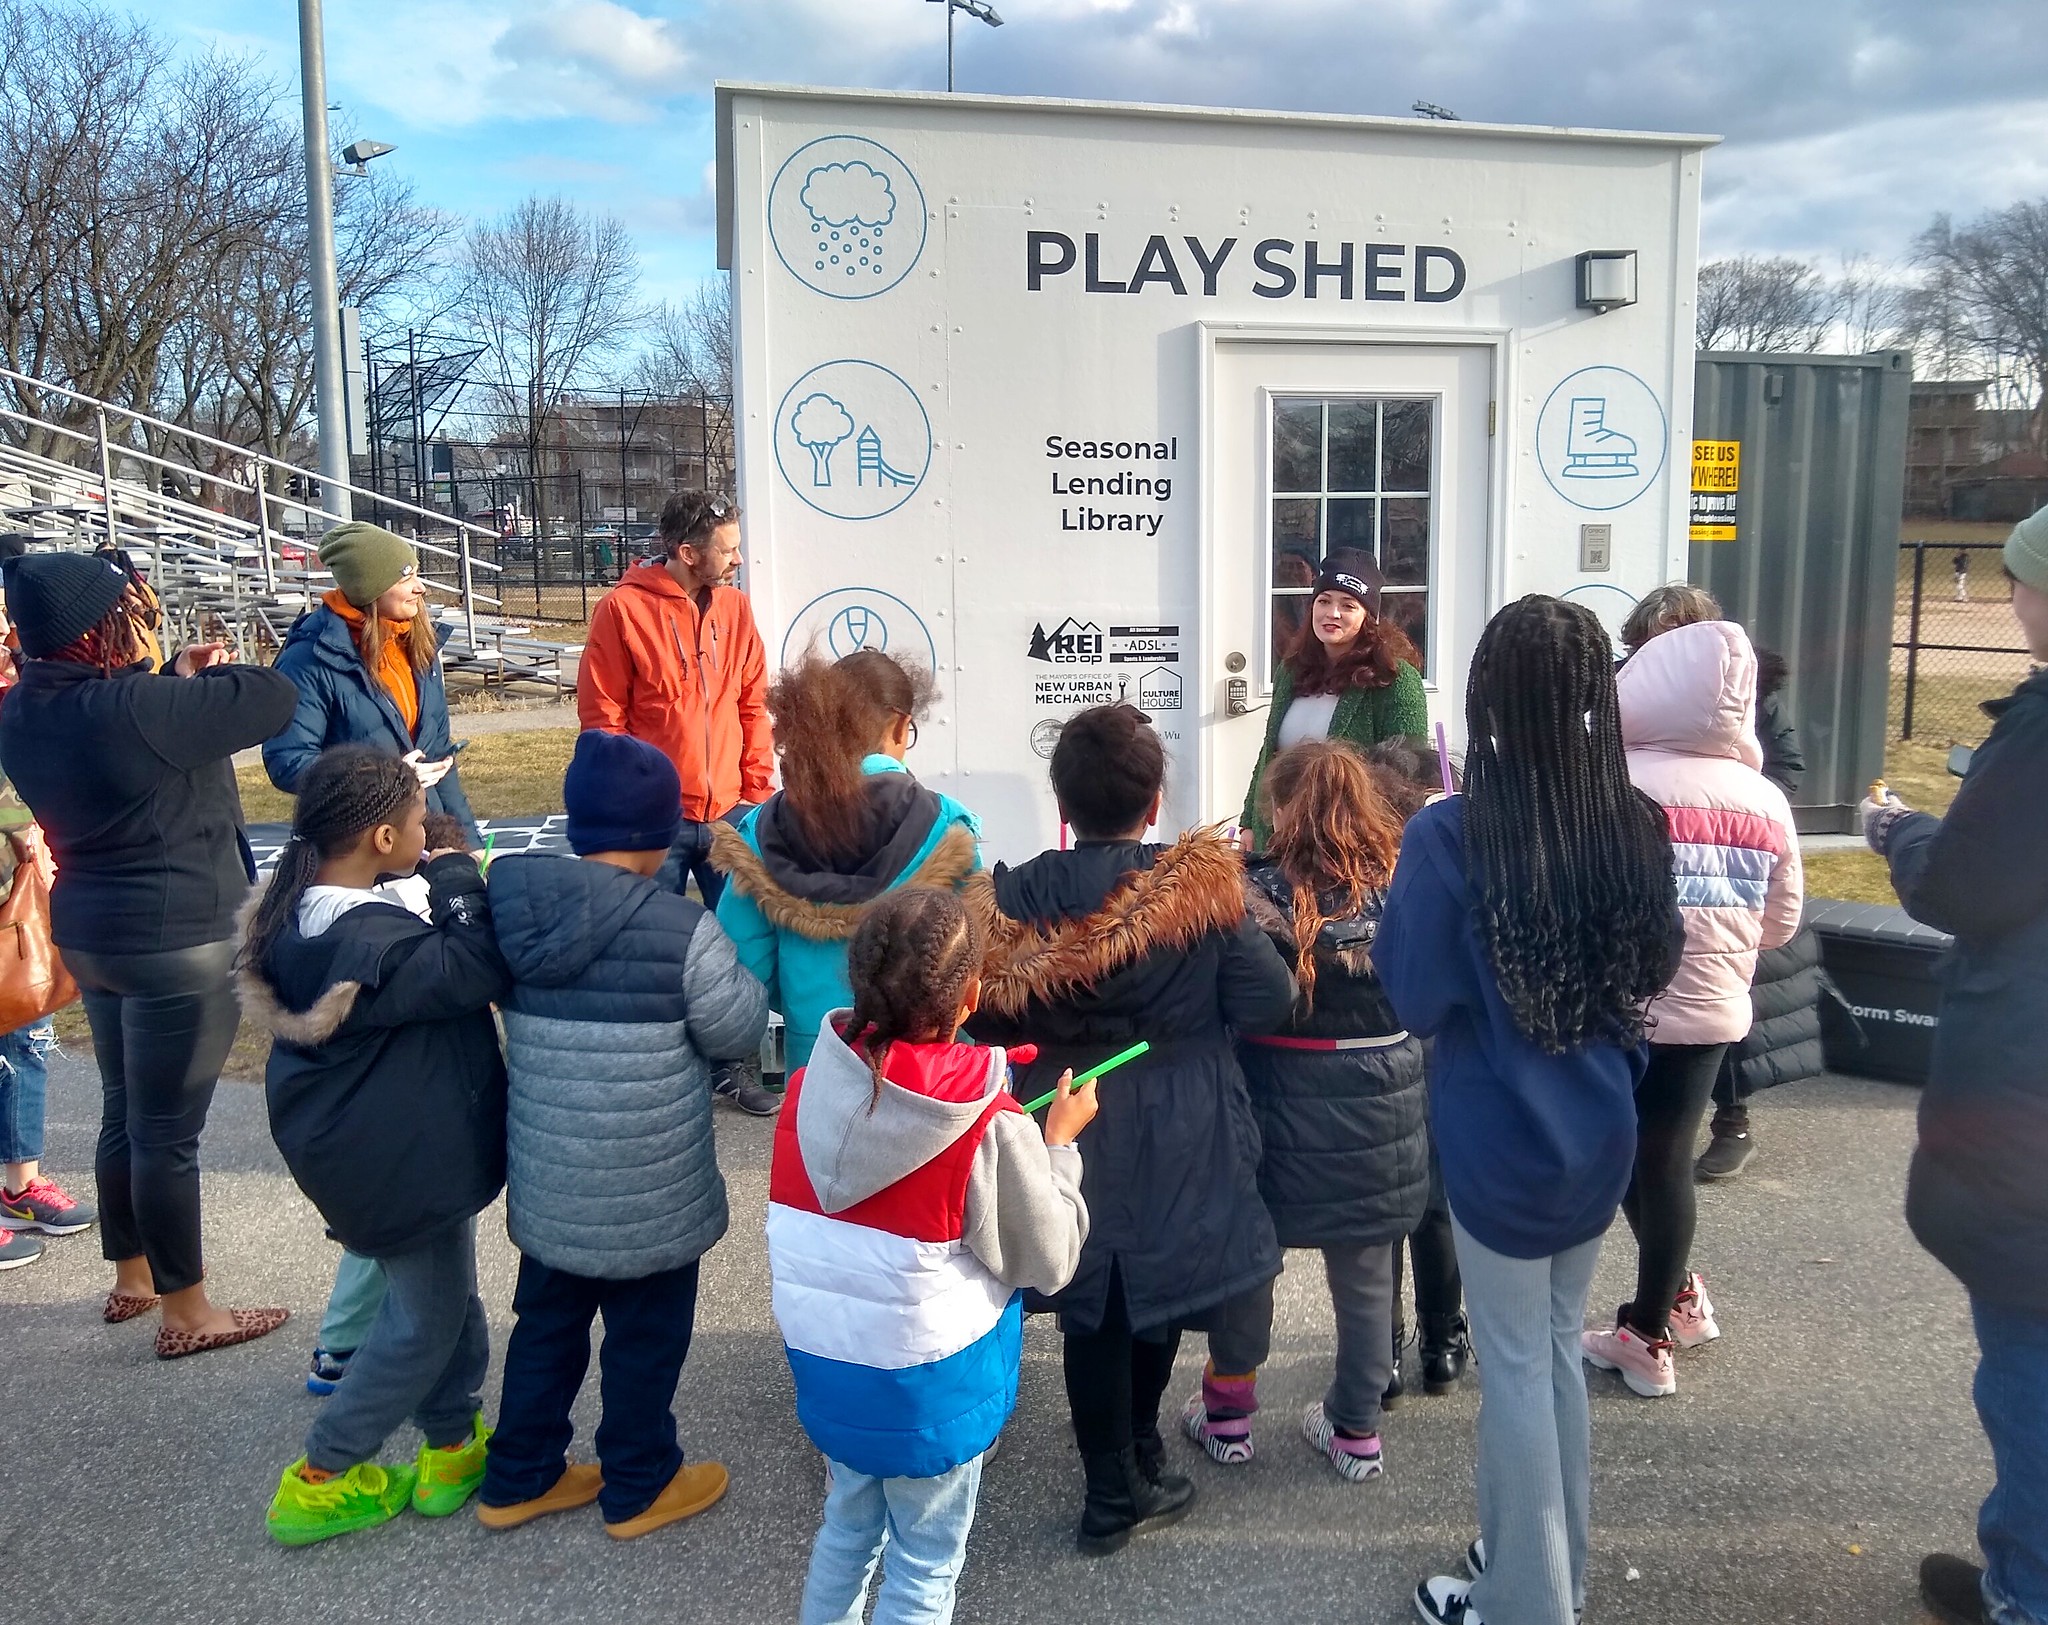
(1808,1461)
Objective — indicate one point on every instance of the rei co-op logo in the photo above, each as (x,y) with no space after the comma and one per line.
(846,216)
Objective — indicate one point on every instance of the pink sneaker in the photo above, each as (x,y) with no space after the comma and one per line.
(1692,1317)
(1644,1364)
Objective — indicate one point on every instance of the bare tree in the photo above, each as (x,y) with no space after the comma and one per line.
(1870,300)
(1988,282)
(689,355)
(129,182)
(1753,302)
(549,292)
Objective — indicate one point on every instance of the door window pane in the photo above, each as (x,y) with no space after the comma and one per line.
(1409,610)
(1297,445)
(1351,524)
(1404,542)
(1351,473)
(1354,435)
(1297,528)
(1405,437)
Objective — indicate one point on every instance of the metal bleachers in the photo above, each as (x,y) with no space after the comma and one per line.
(222,576)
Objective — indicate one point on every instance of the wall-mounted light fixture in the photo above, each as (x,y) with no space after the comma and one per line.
(1607,278)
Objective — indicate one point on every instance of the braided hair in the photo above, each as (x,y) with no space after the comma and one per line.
(1571,863)
(116,641)
(349,790)
(909,964)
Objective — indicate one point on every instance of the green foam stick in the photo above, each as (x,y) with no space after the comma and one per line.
(1092,1074)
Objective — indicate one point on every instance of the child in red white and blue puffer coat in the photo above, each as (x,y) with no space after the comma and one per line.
(909,1200)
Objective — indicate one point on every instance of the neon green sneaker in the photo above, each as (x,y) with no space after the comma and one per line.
(361,1498)
(448,1478)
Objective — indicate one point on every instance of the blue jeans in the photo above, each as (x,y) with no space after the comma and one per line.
(1535,1442)
(689,858)
(2012,1403)
(648,1320)
(922,1523)
(24,1087)
(353,1304)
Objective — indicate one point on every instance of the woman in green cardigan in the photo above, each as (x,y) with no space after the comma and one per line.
(1351,675)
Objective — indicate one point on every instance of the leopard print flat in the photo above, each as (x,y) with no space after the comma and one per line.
(127,1305)
(250,1324)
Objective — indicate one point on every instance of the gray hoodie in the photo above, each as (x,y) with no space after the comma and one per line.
(1024,1219)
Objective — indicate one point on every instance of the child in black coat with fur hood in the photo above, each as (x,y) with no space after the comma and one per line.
(387,1099)
(1092,950)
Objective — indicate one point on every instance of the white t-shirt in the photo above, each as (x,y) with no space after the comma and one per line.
(1308,717)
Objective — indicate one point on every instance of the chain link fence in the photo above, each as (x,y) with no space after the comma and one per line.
(1955,643)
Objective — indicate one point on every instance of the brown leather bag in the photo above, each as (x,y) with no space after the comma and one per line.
(33,980)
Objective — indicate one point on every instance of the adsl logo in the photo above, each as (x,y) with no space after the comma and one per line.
(1071,643)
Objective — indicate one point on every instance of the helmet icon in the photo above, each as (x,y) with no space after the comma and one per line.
(854,628)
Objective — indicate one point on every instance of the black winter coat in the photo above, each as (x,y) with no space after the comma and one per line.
(1092,950)
(1977,1193)
(132,778)
(1345,1131)
(1783,1045)
(1776,732)
(385,1085)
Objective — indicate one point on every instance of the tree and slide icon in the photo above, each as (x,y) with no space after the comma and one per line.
(821,424)
(867,404)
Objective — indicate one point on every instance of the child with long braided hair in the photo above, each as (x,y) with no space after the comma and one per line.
(387,1098)
(1530,921)
(909,1199)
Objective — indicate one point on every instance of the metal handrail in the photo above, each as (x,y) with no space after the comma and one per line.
(264,496)
(149,508)
(244,452)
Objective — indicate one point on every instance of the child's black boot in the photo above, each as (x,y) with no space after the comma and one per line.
(1123,1502)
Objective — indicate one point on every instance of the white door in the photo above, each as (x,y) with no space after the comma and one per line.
(1319,447)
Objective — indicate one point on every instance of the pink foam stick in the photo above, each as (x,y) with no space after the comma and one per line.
(1443,761)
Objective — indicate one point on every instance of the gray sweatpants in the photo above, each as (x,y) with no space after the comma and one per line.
(425,1357)
(1362,1297)
(1535,1446)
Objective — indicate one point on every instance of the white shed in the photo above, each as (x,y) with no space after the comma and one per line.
(1068,398)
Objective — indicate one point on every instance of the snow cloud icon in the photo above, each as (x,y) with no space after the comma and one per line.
(840,195)
(846,217)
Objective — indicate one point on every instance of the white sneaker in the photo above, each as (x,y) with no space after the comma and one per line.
(1445,1600)
(1692,1317)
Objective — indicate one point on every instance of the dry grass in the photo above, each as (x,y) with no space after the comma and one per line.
(507,775)
(1854,877)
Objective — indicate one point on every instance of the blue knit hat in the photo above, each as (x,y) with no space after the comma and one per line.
(622,795)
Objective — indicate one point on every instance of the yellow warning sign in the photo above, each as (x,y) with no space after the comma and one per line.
(1716,479)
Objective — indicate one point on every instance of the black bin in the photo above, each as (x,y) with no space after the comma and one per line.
(1883,960)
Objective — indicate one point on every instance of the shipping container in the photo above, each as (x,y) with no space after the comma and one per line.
(1799,476)
(1068,400)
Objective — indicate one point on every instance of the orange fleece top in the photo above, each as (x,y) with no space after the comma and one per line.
(394,665)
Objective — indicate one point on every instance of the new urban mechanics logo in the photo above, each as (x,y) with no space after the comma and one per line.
(847,217)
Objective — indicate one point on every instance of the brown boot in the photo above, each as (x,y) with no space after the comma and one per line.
(577,1487)
(694,1488)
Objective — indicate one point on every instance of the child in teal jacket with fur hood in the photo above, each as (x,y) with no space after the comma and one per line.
(849,825)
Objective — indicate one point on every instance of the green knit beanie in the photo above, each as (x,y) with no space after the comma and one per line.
(366,561)
(2026,551)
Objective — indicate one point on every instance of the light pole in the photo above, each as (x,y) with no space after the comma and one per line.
(974,8)
(329,386)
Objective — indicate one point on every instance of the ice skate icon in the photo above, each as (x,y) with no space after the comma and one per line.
(1592,451)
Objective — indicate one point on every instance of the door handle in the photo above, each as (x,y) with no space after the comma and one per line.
(1237,697)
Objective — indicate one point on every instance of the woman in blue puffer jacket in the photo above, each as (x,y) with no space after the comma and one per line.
(849,825)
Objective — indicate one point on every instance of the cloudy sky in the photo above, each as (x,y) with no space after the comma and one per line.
(1849,123)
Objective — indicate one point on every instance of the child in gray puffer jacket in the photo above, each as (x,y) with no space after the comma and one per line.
(623,995)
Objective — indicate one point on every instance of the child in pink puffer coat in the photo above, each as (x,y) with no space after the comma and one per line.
(1688,719)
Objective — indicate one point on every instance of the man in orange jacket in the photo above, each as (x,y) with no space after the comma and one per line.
(674,658)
